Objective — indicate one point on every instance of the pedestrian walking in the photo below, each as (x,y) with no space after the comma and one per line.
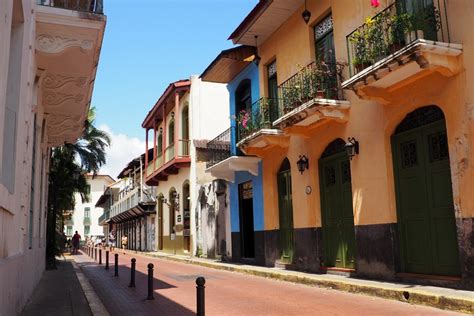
(124,243)
(75,242)
(112,240)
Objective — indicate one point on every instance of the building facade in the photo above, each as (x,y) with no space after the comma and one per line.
(85,216)
(130,208)
(237,68)
(365,166)
(48,60)
(189,113)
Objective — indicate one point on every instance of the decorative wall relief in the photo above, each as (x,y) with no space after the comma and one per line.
(54,81)
(50,44)
(53,99)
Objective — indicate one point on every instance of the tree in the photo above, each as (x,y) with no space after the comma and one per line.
(68,166)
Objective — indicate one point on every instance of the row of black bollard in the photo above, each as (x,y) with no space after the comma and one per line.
(200,281)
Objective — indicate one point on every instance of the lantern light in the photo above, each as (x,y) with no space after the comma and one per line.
(302,163)
(352,147)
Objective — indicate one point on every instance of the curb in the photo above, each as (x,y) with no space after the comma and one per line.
(95,304)
(411,296)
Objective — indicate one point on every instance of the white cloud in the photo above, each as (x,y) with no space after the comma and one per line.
(122,150)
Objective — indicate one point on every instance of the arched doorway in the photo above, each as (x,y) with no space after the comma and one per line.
(336,206)
(160,221)
(427,228)
(172,213)
(186,217)
(285,205)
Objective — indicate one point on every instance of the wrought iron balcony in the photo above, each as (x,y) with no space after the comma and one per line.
(400,24)
(261,115)
(219,148)
(91,6)
(130,199)
(104,217)
(318,80)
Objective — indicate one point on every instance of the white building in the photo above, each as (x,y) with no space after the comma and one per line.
(189,113)
(48,62)
(85,217)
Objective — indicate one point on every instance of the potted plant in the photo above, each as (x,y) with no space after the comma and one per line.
(375,36)
(400,24)
(361,51)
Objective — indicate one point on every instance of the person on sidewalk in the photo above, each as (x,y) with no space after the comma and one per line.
(75,242)
(112,240)
(124,243)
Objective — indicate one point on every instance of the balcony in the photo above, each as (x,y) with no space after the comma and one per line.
(103,218)
(132,203)
(69,36)
(90,6)
(254,127)
(173,158)
(219,148)
(311,97)
(400,46)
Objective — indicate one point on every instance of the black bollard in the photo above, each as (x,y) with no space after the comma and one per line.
(100,256)
(150,282)
(107,260)
(116,265)
(200,296)
(132,274)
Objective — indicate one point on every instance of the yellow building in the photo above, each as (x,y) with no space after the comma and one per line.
(366,162)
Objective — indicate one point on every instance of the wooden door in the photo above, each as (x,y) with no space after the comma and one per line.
(336,205)
(285,204)
(425,207)
(160,223)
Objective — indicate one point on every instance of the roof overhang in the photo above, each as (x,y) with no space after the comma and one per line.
(228,64)
(265,18)
(226,168)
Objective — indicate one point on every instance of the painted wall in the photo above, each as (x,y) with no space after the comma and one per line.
(372,124)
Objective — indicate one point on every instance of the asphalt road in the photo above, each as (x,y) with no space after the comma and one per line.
(227,293)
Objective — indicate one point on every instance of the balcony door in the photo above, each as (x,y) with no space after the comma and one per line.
(272,85)
(326,56)
(426,17)
(243,104)
(285,206)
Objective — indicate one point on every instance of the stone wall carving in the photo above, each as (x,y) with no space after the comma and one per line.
(51,44)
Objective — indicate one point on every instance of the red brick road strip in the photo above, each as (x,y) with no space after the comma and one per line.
(227,293)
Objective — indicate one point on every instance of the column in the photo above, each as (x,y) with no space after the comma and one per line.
(177,115)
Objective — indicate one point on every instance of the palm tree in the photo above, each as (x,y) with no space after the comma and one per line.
(68,167)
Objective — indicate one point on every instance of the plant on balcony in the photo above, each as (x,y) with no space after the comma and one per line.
(361,51)
(291,97)
(400,25)
(375,36)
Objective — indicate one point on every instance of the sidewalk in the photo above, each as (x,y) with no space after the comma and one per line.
(58,293)
(443,298)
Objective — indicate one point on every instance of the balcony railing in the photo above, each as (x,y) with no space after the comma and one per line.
(91,6)
(316,80)
(260,116)
(183,147)
(219,148)
(104,217)
(398,25)
(130,200)
(169,153)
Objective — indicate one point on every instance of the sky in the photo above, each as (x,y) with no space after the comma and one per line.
(148,44)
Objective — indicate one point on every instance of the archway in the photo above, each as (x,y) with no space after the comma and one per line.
(425,209)
(172,211)
(160,227)
(285,206)
(336,206)
(186,217)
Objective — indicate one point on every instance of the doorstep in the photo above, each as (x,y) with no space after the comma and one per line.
(438,297)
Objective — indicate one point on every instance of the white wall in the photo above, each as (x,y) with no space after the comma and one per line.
(98,185)
(22,215)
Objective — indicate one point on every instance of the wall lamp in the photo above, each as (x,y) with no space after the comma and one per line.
(306,14)
(172,114)
(302,163)
(352,147)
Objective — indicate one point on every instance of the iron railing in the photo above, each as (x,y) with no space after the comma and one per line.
(104,217)
(219,148)
(260,116)
(91,6)
(398,25)
(316,80)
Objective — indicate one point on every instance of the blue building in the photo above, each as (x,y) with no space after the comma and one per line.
(237,68)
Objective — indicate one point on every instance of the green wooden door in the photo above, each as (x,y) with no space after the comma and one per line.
(424,201)
(285,205)
(336,204)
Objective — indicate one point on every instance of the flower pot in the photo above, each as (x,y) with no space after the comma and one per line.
(395,47)
(320,94)
(362,66)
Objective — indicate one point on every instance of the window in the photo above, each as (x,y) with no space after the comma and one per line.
(87,212)
(87,230)
(171,133)
(159,143)
(88,191)
(69,231)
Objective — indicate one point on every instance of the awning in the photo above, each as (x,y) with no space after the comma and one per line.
(226,168)
(135,212)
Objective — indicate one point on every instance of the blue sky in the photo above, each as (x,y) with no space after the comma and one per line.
(151,43)
(147,45)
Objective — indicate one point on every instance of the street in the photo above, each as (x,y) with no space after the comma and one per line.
(227,293)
